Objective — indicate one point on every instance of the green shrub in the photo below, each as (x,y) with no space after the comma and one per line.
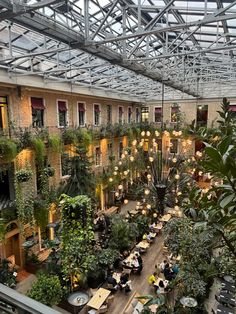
(47,290)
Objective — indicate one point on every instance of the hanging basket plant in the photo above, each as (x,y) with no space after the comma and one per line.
(23,175)
(49,171)
(8,150)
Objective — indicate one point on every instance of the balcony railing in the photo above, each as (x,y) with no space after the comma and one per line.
(12,301)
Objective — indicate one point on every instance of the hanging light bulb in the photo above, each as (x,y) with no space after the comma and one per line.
(148,133)
(151,159)
(138,203)
(141,144)
(180,133)
(135,151)
(115,168)
(122,156)
(126,153)
(125,172)
(200,173)
(143,133)
(174,132)
(120,163)
(179,193)
(137,207)
(117,194)
(157,133)
(134,143)
(143,212)
(149,206)
(126,201)
(184,144)
(115,173)
(177,176)
(110,180)
(131,158)
(176,207)
(154,140)
(174,160)
(149,176)
(155,215)
(120,187)
(146,191)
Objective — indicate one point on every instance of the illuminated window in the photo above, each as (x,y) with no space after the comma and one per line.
(97,114)
(202,115)
(144,114)
(37,105)
(3,114)
(81,113)
(62,113)
(174,114)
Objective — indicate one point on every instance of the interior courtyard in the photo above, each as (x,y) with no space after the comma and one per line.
(117,156)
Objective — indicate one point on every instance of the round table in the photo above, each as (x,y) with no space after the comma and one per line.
(78,299)
(188,301)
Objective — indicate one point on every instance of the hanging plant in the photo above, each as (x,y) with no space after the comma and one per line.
(49,171)
(54,142)
(23,175)
(8,150)
(39,148)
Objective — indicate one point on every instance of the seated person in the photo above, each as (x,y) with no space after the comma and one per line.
(124,278)
(140,261)
(152,278)
(162,265)
(175,269)
(147,237)
(168,273)
(161,287)
(112,281)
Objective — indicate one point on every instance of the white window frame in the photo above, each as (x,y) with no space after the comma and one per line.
(85,115)
(100,120)
(67,115)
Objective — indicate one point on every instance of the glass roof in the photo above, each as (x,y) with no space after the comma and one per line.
(126,46)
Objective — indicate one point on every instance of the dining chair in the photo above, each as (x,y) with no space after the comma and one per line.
(110,300)
(103,309)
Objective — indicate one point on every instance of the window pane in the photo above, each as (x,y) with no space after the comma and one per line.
(37,118)
(144,114)
(174,146)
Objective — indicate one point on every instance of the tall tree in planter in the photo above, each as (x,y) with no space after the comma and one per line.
(81,180)
(77,235)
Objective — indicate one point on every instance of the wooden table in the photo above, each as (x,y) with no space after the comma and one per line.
(128,261)
(143,245)
(99,298)
(165,217)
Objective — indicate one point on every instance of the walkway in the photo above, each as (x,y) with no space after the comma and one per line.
(152,257)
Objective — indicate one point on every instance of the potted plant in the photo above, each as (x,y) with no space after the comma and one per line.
(8,150)
(32,263)
(23,175)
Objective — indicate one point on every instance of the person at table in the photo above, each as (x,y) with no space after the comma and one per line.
(140,261)
(160,287)
(124,278)
(175,268)
(168,273)
(152,278)
(147,237)
(112,281)
(162,265)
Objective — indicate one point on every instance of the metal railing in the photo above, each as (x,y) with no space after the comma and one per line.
(14,302)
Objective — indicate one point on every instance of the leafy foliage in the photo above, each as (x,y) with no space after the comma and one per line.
(47,290)
(77,235)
